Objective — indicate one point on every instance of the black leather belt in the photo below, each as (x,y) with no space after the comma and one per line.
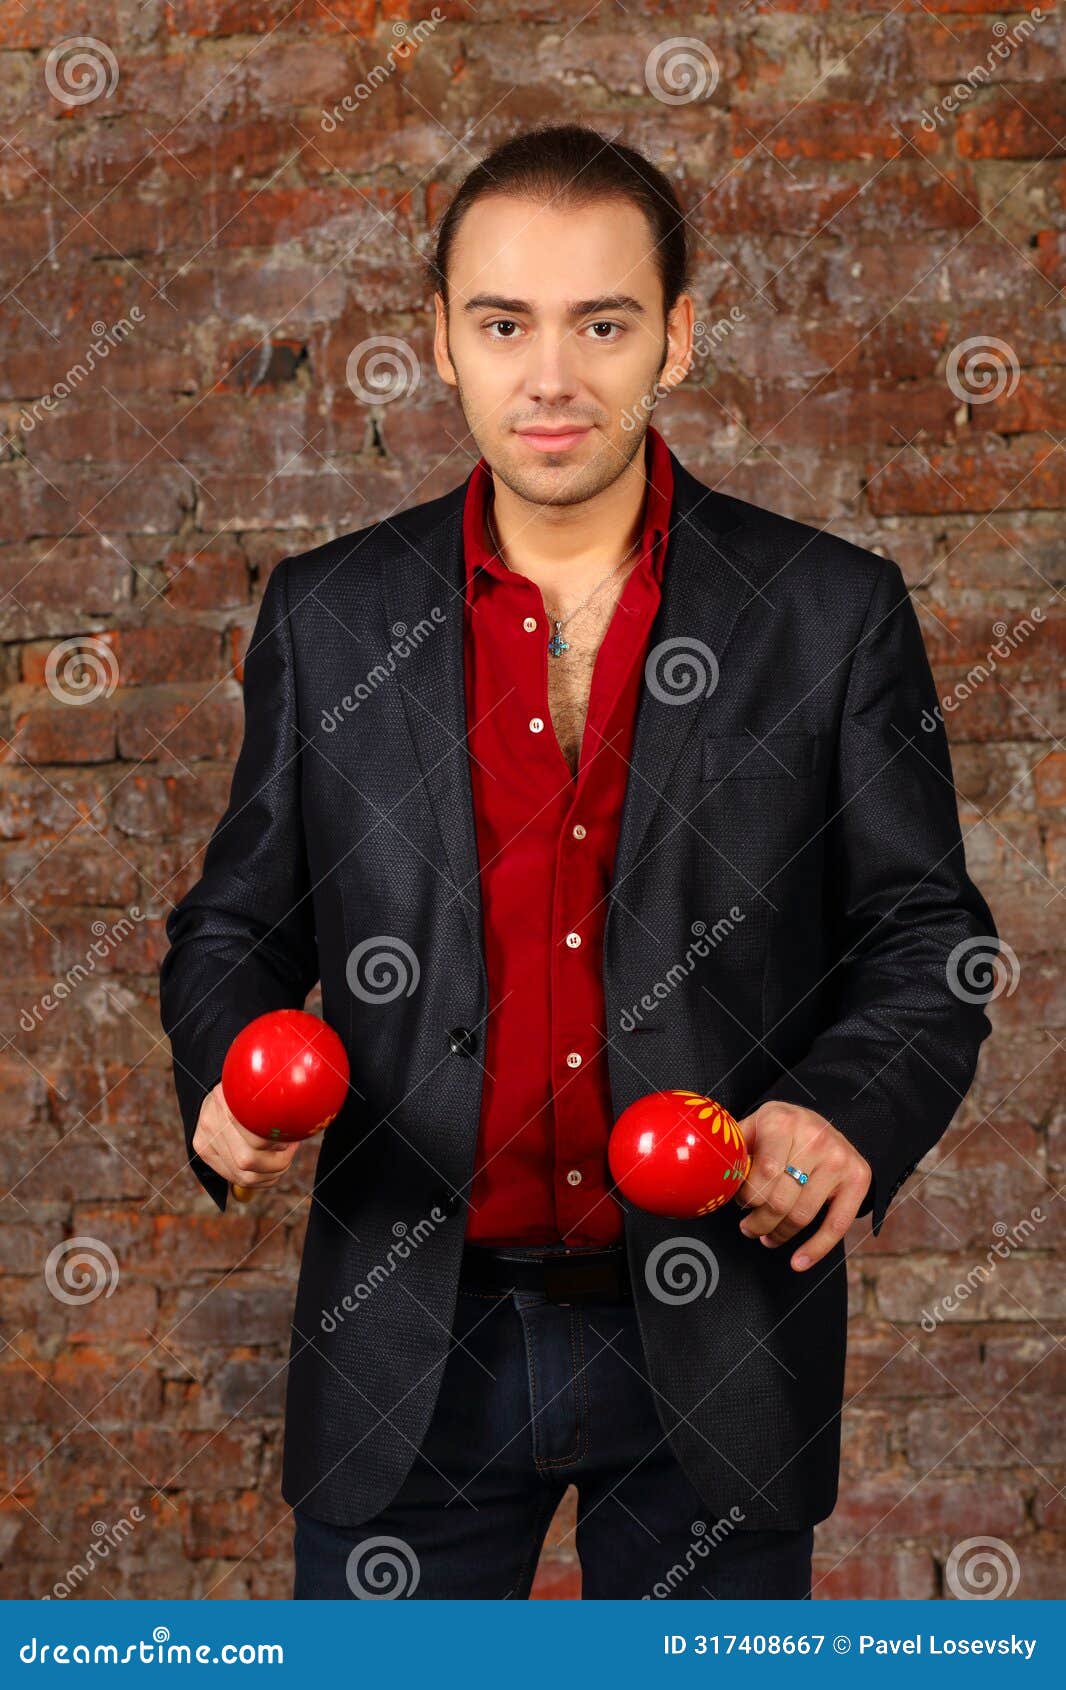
(573,1276)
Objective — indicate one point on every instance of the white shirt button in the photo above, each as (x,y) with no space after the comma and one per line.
(573,940)
(574,1059)
(579,831)
(574,1177)
(530,624)
(536,726)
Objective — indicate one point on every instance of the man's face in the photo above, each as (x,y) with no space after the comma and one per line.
(555,321)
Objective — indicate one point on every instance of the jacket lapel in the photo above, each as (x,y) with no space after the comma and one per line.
(428,587)
(706,583)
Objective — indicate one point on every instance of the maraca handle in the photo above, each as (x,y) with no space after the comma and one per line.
(242,1193)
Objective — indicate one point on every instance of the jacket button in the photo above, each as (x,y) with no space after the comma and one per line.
(461,1041)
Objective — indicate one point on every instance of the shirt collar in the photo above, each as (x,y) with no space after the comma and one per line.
(657,505)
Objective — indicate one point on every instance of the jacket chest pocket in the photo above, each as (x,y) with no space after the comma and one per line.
(766,757)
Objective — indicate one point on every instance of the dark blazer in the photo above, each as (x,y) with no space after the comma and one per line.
(790,917)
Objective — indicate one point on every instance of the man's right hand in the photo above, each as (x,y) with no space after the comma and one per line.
(241,1157)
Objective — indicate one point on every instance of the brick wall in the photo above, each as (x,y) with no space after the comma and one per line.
(150,485)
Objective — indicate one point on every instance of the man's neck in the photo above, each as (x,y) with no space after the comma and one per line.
(568,549)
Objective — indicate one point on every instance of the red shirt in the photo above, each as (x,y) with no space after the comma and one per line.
(546,846)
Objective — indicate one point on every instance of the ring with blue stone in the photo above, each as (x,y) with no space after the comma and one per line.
(800,1177)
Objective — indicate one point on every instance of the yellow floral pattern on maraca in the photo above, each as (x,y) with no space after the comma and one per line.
(721,1121)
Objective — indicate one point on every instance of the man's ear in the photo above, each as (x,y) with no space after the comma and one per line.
(441,352)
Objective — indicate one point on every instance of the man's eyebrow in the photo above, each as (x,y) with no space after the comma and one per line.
(580,307)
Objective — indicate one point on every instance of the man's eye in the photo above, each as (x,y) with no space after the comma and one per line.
(614,330)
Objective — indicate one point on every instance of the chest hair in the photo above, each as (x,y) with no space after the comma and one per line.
(570,676)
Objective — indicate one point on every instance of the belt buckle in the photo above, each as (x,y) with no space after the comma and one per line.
(564,1282)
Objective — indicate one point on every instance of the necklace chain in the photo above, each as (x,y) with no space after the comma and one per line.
(557,645)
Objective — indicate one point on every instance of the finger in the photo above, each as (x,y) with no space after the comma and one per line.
(769,1132)
(780,1200)
(271,1159)
(839,1216)
(256,1182)
(810,1198)
(229,1139)
(242,1139)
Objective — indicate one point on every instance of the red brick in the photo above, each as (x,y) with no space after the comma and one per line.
(977,478)
(825,129)
(936,1509)
(1001,126)
(247,17)
(906,199)
(1038,402)
(1017,553)
(903,1575)
(182,726)
(28,28)
(62,733)
(1017,1435)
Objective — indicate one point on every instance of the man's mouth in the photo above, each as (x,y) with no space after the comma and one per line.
(554,439)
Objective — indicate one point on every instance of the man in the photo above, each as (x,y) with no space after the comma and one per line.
(579,782)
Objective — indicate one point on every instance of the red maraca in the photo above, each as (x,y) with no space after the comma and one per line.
(285,1077)
(676,1153)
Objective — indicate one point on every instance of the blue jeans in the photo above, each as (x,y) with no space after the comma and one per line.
(536,1396)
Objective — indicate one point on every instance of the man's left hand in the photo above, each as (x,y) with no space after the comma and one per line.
(781,1135)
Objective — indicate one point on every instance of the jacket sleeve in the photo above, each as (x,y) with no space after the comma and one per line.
(242,939)
(914,944)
